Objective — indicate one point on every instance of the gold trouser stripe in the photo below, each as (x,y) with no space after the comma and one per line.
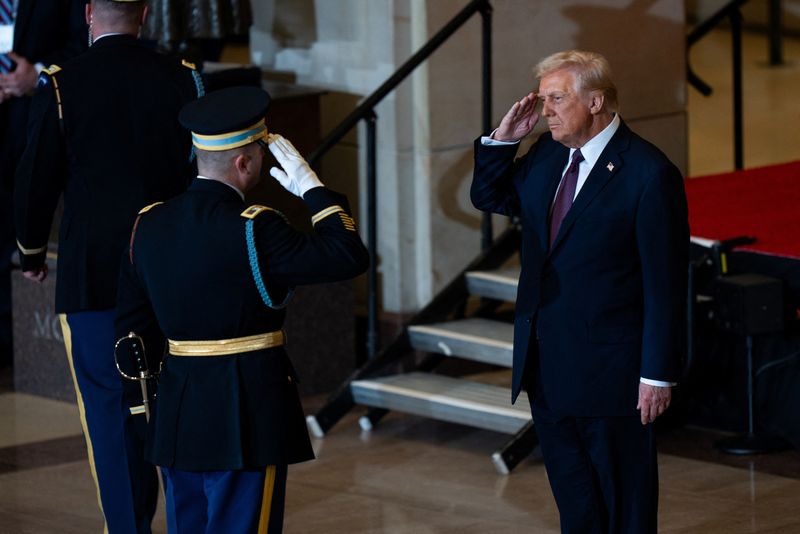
(67,333)
(223,347)
(266,500)
(58,98)
(30,251)
(326,212)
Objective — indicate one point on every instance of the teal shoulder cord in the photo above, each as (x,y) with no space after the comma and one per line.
(201,91)
(256,270)
(198,83)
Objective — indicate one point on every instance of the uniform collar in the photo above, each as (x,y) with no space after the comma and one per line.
(204,183)
(114,38)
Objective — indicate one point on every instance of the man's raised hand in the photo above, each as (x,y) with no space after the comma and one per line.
(519,121)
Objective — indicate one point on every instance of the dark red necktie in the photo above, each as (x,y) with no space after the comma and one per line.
(566,193)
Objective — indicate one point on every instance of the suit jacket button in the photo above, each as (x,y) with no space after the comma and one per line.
(289,378)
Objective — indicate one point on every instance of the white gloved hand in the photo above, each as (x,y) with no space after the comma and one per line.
(296,175)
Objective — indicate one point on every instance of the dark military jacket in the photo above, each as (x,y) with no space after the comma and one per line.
(44,32)
(104,132)
(188,271)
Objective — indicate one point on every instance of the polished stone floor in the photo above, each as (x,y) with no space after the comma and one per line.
(418,476)
(769,94)
(408,476)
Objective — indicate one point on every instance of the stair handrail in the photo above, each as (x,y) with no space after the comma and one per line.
(732,12)
(366,111)
(340,401)
(713,21)
(367,106)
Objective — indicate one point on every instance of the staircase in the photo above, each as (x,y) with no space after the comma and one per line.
(444,330)
(461,321)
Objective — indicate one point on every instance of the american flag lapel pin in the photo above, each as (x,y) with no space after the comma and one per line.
(610,166)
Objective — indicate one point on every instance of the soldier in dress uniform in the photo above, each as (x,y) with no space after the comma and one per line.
(214,275)
(103,131)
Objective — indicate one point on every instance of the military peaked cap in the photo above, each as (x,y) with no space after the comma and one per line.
(228,118)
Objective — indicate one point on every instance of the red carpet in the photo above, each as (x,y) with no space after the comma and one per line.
(763,202)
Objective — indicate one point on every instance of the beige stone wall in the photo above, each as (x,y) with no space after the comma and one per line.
(643,40)
(428,229)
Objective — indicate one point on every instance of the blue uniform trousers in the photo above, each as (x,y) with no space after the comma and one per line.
(236,502)
(127,485)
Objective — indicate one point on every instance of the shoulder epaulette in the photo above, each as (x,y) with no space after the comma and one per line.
(136,226)
(50,72)
(148,208)
(188,64)
(52,69)
(254,211)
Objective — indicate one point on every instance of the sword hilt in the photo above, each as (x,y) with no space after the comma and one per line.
(137,355)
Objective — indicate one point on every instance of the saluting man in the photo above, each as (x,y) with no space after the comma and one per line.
(214,276)
(600,307)
(103,131)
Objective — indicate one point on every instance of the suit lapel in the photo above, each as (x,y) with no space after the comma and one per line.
(607,166)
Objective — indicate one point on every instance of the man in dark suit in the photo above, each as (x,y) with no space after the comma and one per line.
(104,131)
(44,33)
(214,276)
(601,298)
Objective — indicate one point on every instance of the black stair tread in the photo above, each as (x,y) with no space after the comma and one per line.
(445,398)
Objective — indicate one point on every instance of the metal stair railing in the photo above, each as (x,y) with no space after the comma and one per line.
(732,12)
(366,111)
(442,306)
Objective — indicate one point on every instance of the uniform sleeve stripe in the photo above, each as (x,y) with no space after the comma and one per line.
(31,251)
(326,212)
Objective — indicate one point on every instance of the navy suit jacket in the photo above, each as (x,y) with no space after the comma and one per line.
(606,305)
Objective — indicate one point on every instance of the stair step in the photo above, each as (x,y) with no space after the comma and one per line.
(500,284)
(445,399)
(482,340)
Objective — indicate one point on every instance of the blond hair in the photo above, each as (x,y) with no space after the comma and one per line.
(592,73)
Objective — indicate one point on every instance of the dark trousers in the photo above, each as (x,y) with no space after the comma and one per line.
(244,501)
(602,470)
(127,485)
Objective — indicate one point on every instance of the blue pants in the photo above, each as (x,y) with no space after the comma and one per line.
(237,502)
(127,485)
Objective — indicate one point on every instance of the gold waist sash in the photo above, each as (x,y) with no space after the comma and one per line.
(223,347)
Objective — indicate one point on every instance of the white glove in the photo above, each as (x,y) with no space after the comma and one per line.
(296,175)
